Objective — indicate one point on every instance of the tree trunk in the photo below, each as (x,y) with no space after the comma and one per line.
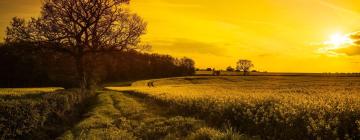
(81,73)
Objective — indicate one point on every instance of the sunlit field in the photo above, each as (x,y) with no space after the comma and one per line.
(278,107)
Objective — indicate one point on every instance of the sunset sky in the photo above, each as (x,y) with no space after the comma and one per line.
(277,35)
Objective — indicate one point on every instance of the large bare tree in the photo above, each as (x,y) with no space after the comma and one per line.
(81,27)
(244,65)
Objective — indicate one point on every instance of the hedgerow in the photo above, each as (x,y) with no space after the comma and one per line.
(25,117)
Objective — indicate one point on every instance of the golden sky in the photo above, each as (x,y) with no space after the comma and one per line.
(278,35)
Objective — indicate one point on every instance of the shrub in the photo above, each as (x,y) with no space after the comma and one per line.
(212,134)
(20,118)
(204,134)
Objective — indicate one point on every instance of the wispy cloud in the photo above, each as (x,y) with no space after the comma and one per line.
(182,45)
(352,50)
(266,55)
(327,47)
(338,8)
(169,4)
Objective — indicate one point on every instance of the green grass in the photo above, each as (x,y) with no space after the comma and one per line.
(117,115)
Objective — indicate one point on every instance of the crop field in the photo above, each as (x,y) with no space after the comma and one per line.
(272,107)
(190,108)
(22,91)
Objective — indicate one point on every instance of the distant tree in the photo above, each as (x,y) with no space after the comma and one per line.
(230,69)
(244,65)
(188,65)
(209,69)
(79,28)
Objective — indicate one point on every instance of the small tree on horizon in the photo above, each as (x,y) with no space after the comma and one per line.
(188,65)
(244,65)
(230,69)
(80,28)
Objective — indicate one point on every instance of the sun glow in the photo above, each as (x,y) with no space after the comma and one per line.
(337,40)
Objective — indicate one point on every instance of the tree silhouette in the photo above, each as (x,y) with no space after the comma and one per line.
(244,65)
(230,69)
(187,65)
(79,28)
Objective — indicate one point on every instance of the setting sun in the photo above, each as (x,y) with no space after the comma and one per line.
(339,45)
(337,40)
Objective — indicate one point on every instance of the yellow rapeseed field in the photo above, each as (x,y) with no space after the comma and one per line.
(272,107)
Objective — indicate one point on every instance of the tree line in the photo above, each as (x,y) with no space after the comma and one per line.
(83,43)
(25,64)
(242,65)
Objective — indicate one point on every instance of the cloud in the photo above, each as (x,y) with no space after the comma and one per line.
(338,8)
(351,50)
(351,46)
(168,4)
(181,45)
(354,48)
(266,55)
